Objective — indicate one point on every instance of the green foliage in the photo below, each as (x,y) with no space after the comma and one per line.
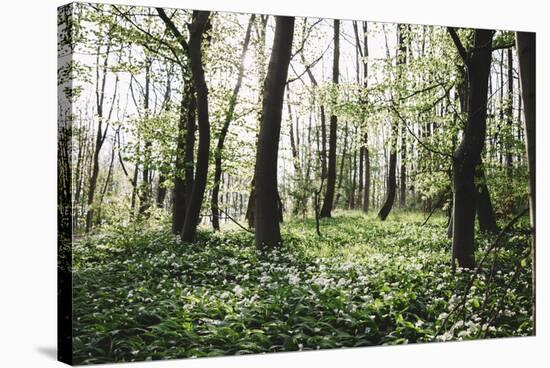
(142,294)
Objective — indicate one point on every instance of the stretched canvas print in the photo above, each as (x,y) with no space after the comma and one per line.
(247,183)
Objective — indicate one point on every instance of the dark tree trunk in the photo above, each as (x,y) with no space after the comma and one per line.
(251,205)
(192,214)
(145,196)
(485,212)
(225,128)
(260,33)
(326,209)
(267,202)
(510,114)
(391,186)
(466,156)
(364,146)
(526,48)
(183,178)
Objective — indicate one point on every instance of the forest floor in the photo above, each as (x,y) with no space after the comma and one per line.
(144,295)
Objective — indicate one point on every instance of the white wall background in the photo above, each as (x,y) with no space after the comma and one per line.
(28,181)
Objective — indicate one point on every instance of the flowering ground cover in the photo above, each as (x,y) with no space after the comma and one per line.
(145,295)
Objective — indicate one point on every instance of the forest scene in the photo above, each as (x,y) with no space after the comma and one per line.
(243,183)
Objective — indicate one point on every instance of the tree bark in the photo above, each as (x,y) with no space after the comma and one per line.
(526,48)
(485,212)
(192,214)
(185,147)
(510,115)
(391,186)
(364,146)
(145,195)
(466,156)
(267,232)
(331,175)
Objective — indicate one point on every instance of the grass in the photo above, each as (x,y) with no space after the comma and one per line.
(144,295)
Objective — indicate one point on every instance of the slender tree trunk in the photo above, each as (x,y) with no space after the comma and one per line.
(267,202)
(145,195)
(364,146)
(466,157)
(526,48)
(391,187)
(225,128)
(366,190)
(510,115)
(403,169)
(331,177)
(353,173)
(391,184)
(192,214)
(101,134)
(341,170)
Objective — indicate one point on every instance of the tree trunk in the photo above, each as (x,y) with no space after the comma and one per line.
(331,177)
(192,214)
(225,128)
(391,188)
(100,136)
(403,169)
(510,115)
(341,170)
(145,196)
(366,189)
(526,48)
(364,146)
(466,156)
(391,185)
(183,178)
(485,212)
(251,205)
(261,60)
(267,230)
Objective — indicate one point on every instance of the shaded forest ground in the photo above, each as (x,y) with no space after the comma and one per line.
(143,294)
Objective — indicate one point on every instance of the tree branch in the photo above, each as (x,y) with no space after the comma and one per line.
(172,27)
(461,50)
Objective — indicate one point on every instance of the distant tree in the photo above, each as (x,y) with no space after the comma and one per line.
(225,128)
(392,166)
